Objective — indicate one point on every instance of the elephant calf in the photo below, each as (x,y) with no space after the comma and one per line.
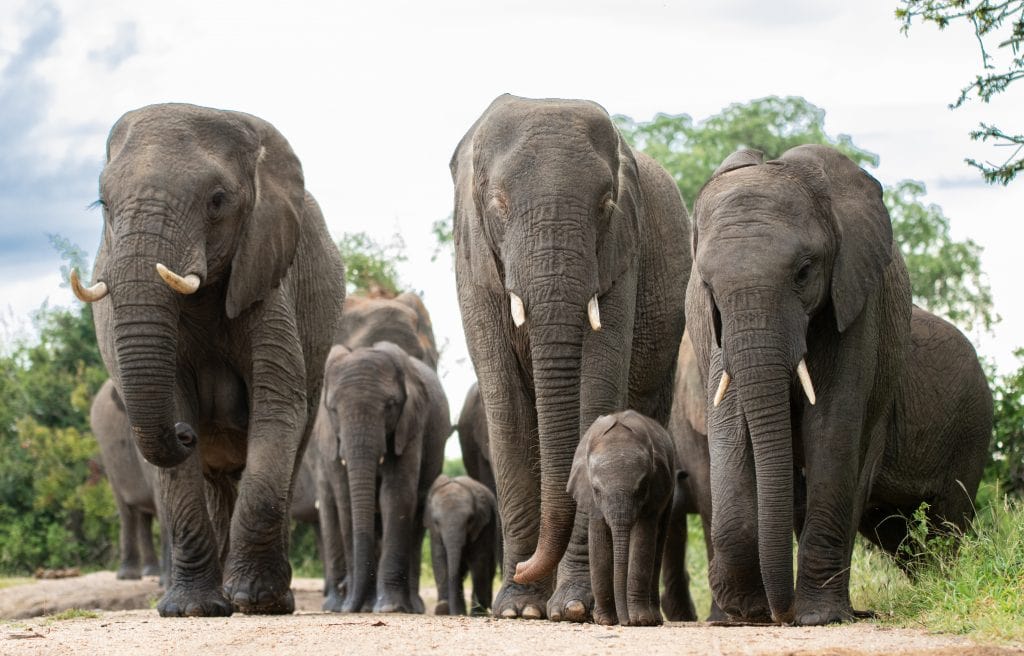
(623,476)
(462,517)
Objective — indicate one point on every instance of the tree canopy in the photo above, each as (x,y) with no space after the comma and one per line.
(999,29)
(371,268)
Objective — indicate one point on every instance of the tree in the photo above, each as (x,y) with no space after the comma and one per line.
(1007,465)
(997,24)
(691,151)
(946,274)
(370,267)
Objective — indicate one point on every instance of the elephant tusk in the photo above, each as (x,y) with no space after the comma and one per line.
(594,313)
(805,380)
(343,463)
(518,310)
(187,285)
(381,461)
(87,294)
(723,385)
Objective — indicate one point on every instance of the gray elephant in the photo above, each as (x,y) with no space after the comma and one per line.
(133,482)
(384,419)
(403,320)
(473,439)
(462,517)
(572,256)
(623,476)
(221,291)
(800,299)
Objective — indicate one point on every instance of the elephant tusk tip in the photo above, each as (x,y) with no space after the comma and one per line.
(723,386)
(594,313)
(518,310)
(187,285)
(86,294)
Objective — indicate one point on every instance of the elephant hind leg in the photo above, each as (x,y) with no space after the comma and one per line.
(130,567)
(150,562)
(675,599)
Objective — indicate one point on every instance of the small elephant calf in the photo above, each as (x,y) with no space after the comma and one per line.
(462,516)
(623,476)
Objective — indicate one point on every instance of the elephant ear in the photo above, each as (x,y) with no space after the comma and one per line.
(617,245)
(742,158)
(472,244)
(484,509)
(413,419)
(862,225)
(270,236)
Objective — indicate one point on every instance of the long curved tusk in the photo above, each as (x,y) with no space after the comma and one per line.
(187,285)
(87,294)
(518,310)
(723,385)
(594,313)
(805,381)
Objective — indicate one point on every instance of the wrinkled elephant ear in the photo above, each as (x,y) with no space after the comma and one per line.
(484,509)
(862,225)
(270,236)
(415,411)
(617,244)
(579,486)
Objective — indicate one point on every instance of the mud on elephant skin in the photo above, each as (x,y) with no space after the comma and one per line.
(571,257)
(217,291)
(800,298)
(623,476)
(462,518)
(380,445)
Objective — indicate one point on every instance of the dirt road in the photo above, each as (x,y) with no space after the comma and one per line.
(308,632)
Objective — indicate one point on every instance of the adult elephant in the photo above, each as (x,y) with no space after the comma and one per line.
(572,254)
(474,441)
(795,275)
(403,321)
(384,421)
(221,293)
(133,482)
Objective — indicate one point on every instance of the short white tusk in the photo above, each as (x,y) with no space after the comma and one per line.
(723,385)
(805,381)
(381,461)
(518,310)
(87,294)
(594,312)
(343,463)
(187,285)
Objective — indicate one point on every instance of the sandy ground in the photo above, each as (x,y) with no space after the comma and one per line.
(142,632)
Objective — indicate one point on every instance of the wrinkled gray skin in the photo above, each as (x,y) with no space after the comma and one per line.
(462,517)
(793,259)
(134,482)
(404,321)
(473,439)
(384,420)
(220,385)
(552,205)
(937,439)
(623,476)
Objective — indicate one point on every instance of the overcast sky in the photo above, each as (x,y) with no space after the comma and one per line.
(374,96)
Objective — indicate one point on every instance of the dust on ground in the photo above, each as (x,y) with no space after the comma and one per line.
(141,632)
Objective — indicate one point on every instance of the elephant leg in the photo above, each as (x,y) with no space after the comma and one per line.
(332,549)
(481,569)
(644,565)
(150,562)
(415,564)
(195,581)
(128,540)
(573,598)
(439,560)
(675,599)
(397,507)
(716,613)
(602,571)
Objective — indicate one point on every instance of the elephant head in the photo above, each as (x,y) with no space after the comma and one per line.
(623,468)
(377,407)
(546,223)
(201,209)
(782,250)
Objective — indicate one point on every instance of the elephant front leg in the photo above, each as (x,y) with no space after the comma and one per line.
(194,588)
(398,512)
(573,598)
(602,571)
(332,550)
(439,560)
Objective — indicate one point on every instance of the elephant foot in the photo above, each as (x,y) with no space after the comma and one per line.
(179,602)
(523,601)
(441,608)
(572,601)
(822,613)
(717,614)
(605,616)
(333,604)
(129,573)
(678,606)
(649,616)
(151,570)
(260,588)
(418,606)
(394,602)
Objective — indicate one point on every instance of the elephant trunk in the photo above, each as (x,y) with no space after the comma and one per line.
(454,545)
(362,484)
(621,532)
(762,366)
(145,343)
(556,340)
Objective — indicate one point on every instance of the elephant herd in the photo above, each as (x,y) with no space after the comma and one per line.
(762,366)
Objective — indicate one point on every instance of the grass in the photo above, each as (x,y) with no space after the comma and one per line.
(73,614)
(10,582)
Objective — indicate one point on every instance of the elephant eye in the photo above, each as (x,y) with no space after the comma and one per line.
(217,201)
(803,273)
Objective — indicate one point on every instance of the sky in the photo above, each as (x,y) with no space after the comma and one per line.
(374,96)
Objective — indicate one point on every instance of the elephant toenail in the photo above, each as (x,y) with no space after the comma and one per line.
(532,613)
(508,613)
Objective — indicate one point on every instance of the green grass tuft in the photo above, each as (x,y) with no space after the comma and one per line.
(73,614)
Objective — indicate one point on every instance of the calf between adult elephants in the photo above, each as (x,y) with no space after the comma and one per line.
(462,517)
(217,293)
(801,300)
(384,420)
(572,256)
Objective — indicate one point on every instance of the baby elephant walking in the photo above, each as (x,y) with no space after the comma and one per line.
(623,476)
(462,516)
